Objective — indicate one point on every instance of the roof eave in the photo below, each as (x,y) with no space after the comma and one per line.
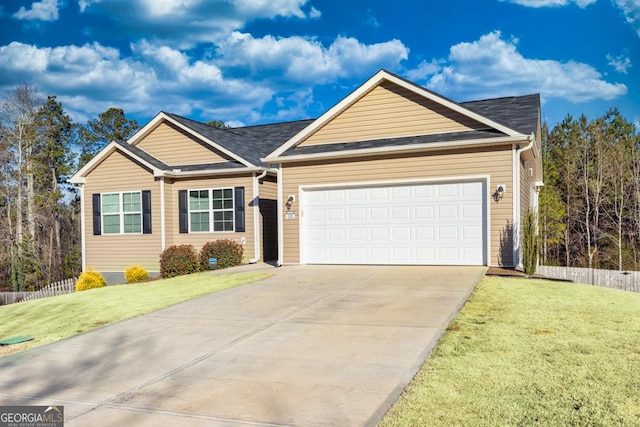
(79,177)
(471,143)
(162,116)
(176,173)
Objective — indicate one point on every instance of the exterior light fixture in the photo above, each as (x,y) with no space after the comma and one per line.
(290,201)
(500,190)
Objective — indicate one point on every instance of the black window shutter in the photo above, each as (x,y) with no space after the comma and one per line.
(97,226)
(239,210)
(146,212)
(183,211)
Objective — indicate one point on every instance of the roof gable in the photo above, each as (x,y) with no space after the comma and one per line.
(143,159)
(198,130)
(451,111)
(173,146)
(390,111)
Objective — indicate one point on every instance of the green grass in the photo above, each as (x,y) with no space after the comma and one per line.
(51,319)
(531,352)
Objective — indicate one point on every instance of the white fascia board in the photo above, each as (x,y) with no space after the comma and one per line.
(79,177)
(482,142)
(370,85)
(329,114)
(209,172)
(160,117)
(146,129)
(452,105)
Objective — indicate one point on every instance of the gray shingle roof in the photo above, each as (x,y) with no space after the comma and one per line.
(251,142)
(143,155)
(395,142)
(519,113)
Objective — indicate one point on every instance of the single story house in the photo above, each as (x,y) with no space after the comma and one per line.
(392,174)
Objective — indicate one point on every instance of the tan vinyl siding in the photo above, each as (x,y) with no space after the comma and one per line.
(496,163)
(269,213)
(390,111)
(174,147)
(114,253)
(199,239)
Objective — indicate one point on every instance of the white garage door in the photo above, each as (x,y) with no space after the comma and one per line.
(439,224)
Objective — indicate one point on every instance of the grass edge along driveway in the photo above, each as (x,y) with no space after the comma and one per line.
(531,352)
(55,318)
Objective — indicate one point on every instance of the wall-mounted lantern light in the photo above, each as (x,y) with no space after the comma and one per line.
(500,190)
(290,201)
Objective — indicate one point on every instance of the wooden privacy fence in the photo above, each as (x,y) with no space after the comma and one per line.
(624,280)
(66,286)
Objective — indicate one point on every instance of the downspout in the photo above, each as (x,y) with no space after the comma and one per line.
(280,218)
(83,227)
(163,232)
(256,217)
(516,199)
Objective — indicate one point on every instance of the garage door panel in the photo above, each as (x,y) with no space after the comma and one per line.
(441,223)
(379,214)
(423,212)
(448,233)
(401,213)
(402,233)
(378,233)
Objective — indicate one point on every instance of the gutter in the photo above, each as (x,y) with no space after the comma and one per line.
(411,148)
(517,215)
(256,217)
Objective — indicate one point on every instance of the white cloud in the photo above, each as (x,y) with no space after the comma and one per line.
(492,66)
(620,63)
(185,23)
(45,10)
(631,10)
(303,60)
(551,3)
(424,70)
(91,78)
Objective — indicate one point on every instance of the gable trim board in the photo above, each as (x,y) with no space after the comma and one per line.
(162,116)
(374,81)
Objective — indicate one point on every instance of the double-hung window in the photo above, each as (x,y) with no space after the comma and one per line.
(211,210)
(121,213)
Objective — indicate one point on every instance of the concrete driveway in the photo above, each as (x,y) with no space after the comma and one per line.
(309,346)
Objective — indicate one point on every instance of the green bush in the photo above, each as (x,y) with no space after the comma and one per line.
(178,260)
(135,273)
(90,279)
(228,252)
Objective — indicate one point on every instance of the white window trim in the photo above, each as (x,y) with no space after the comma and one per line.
(211,210)
(121,212)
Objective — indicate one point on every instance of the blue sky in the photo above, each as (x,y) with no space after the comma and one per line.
(262,61)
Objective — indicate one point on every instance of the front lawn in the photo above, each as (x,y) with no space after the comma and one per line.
(531,352)
(55,318)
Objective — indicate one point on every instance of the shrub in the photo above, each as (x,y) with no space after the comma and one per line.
(135,273)
(178,260)
(228,253)
(90,279)
(530,246)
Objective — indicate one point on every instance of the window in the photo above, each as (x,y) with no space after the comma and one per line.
(121,212)
(211,210)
